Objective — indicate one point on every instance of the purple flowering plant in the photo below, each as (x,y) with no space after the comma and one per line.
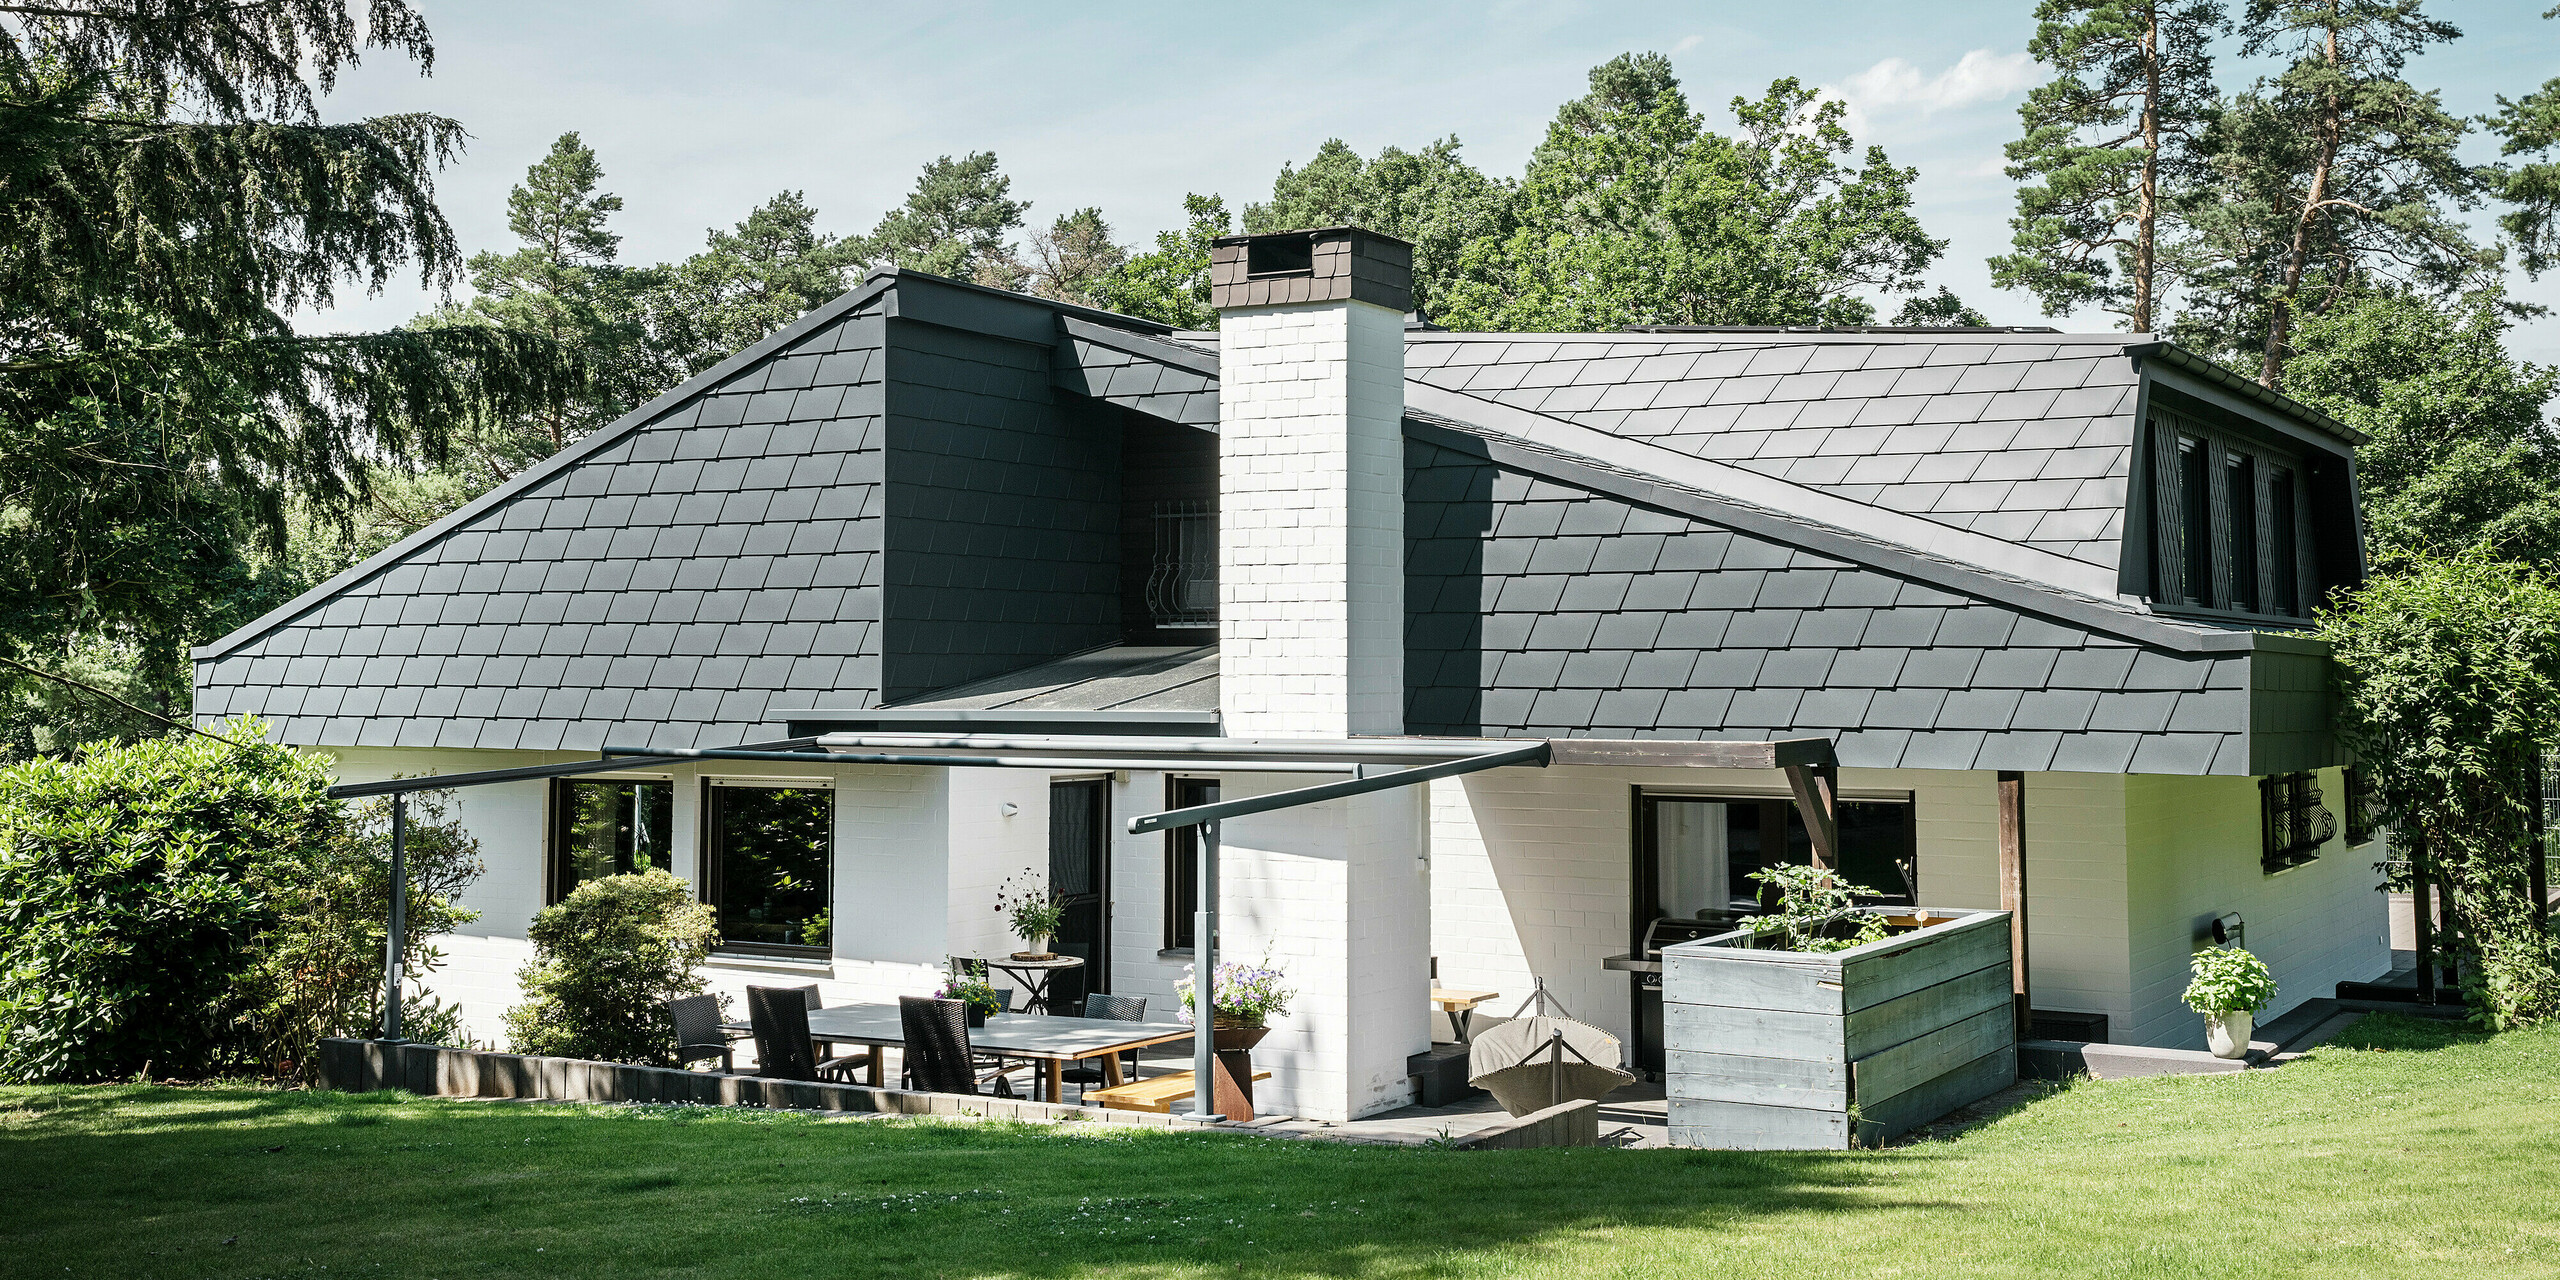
(970,987)
(1246,995)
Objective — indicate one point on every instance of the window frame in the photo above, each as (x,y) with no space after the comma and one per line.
(555,884)
(1643,889)
(712,851)
(2183,447)
(1182,868)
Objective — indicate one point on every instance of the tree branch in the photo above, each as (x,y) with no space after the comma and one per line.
(141,711)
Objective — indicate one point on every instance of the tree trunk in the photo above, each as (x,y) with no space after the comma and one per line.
(2146,204)
(2298,257)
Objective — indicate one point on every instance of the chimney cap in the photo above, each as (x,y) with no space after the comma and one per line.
(1325,264)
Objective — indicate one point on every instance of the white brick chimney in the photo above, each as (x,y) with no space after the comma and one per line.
(1311,644)
(1311,481)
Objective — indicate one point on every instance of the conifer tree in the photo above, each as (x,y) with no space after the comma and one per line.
(2106,144)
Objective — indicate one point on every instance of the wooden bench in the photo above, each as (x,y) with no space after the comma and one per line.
(1155,1093)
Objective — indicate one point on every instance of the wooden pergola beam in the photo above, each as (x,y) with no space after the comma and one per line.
(1817,793)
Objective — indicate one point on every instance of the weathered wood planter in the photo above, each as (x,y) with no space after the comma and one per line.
(1789,1050)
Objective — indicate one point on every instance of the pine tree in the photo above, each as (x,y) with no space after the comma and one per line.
(957,218)
(2333,176)
(2105,143)
(746,283)
(2531,127)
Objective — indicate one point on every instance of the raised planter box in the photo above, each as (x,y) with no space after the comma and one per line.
(1790,1051)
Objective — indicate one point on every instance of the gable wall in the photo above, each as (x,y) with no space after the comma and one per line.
(1003,510)
(667,588)
(1542,609)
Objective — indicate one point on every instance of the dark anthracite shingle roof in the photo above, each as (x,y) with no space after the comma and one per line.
(2026,438)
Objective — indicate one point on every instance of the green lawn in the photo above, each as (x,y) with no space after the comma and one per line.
(2403,1155)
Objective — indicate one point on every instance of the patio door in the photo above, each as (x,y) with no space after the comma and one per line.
(768,866)
(1080,875)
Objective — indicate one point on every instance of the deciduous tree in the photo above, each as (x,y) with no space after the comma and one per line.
(1171,284)
(1431,198)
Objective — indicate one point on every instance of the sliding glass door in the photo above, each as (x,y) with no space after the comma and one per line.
(768,866)
(601,828)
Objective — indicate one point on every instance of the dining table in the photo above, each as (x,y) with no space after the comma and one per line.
(1047,1041)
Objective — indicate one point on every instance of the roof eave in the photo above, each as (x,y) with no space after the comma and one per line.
(2187,361)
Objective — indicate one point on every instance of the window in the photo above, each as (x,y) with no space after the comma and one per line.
(2230,530)
(1182,863)
(2363,804)
(2240,527)
(1695,854)
(2295,826)
(607,829)
(767,870)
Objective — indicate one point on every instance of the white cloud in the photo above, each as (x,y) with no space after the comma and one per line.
(1687,43)
(1979,76)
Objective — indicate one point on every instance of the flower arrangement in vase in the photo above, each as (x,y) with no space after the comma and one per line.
(971,988)
(1034,912)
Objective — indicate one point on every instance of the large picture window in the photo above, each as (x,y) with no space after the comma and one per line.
(607,828)
(767,869)
(1695,854)
(2232,537)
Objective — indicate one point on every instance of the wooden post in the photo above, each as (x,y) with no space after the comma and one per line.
(1817,792)
(2422,915)
(2013,889)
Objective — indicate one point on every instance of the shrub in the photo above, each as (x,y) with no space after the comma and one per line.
(2451,674)
(320,967)
(605,959)
(2229,980)
(135,885)
(1817,910)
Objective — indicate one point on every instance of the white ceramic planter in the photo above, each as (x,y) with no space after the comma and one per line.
(2227,1034)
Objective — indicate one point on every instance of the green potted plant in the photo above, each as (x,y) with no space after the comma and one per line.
(1034,912)
(972,990)
(1247,997)
(2230,987)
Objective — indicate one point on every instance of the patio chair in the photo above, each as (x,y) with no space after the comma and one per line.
(937,1057)
(1088,1074)
(784,1051)
(699,1034)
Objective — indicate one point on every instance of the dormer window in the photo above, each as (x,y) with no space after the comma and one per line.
(2230,515)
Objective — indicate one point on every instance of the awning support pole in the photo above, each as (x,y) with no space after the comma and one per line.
(2422,914)
(1204,979)
(399,915)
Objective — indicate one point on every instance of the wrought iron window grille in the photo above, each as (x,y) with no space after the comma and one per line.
(2295,824)
(2363,805)
(1182,578)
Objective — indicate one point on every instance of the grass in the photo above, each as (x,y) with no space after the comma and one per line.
(2406,1150)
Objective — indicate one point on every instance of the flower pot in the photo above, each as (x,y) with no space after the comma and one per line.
(2227,1034)
(1037,949)
(1227,1039)
(977,1016)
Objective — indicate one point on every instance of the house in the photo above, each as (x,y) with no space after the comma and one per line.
(931,516)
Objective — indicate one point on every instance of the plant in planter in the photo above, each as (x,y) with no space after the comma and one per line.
(1034,912)
(2230,987)
(1817,911)
(1246,996)
(973,990)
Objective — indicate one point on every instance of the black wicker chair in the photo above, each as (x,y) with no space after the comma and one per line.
(937,1057)
(699,1034)
(1088,1073)
(784,1051)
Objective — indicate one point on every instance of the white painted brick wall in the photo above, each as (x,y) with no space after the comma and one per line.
(2194,853)
(1337,896)
(987,848)
(1311,520)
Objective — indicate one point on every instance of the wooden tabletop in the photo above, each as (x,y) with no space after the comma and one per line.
(1450,999)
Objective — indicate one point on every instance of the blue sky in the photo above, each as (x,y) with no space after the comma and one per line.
(700,111)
